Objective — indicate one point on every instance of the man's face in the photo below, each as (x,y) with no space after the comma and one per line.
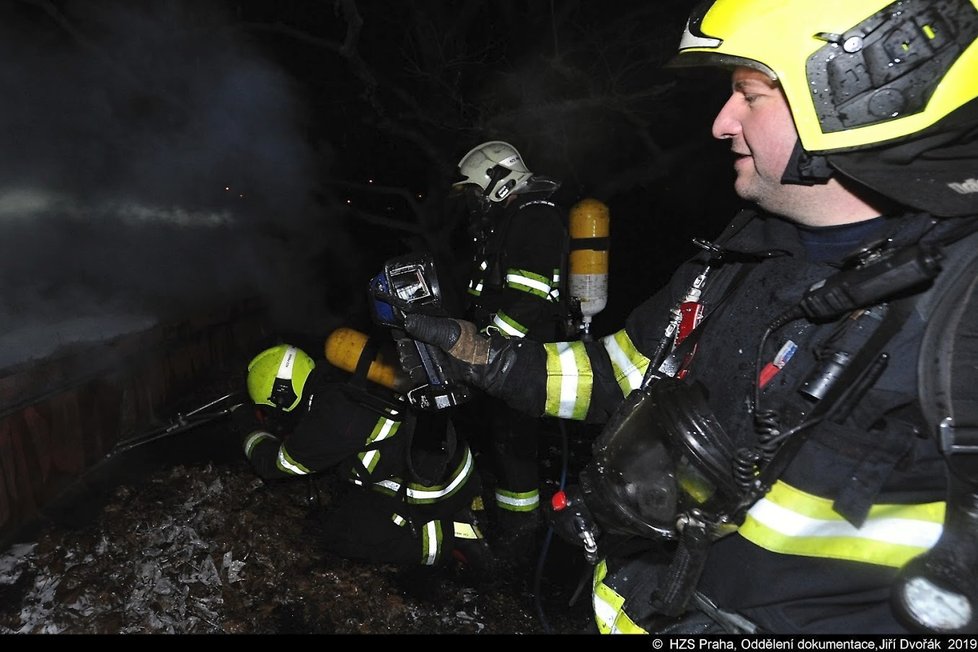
(757,122)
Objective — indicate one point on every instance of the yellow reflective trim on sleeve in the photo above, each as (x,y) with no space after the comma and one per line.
(627,362)
(609,615)
(793,522)
(529,282)
(570,379)
(287,464)
(508,326)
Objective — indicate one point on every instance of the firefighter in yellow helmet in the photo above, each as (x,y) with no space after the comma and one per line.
(412,489)
(790,442)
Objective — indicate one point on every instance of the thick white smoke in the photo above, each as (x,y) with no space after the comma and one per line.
(155,166)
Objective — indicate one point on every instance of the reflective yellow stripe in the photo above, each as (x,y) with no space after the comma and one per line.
(629,365)
(508,326)
(569,380)
(524,281)
(287,464)
(254,439)
(512,501)
(430,542)
(383,429)
(421,494)
(792,522)
(608,613)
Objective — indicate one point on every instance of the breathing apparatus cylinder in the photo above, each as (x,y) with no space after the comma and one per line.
(937,592)
(344,348)
(589,227)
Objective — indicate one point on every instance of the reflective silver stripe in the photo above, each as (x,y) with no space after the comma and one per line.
(430,542)
(609,614)
(286,366)
(285,463)
(569,380)
(518,502)
(508,326)
(418,493)
(628,364)
(690,40)
(790,521)
(383,429)
(476,284)
(524,281)
(390,485)
(254,439)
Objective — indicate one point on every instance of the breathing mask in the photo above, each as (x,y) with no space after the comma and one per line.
(661,463)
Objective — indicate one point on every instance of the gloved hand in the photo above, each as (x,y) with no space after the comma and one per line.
(476,360)
(244,419)
(407,353)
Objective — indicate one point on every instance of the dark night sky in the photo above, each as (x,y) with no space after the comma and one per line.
(167,156)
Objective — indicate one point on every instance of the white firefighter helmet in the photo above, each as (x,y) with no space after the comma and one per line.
(495,167)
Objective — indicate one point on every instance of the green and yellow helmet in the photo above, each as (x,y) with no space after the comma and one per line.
(277,376)
(856,73)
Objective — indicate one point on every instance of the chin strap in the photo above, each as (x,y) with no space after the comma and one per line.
(806,169)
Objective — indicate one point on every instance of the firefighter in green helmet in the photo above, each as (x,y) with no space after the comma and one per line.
(413,496)
(792,425)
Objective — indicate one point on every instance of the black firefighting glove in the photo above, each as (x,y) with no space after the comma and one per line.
(245,419)
(476,359)
(410,359)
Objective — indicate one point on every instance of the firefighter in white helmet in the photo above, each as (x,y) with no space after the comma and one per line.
(515,289)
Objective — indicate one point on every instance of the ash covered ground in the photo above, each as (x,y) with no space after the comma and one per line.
(173,539)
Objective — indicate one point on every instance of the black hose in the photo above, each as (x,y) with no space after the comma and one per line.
(545,547)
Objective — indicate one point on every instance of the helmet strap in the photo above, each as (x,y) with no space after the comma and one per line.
(805,169)
(282,393)
(496,174)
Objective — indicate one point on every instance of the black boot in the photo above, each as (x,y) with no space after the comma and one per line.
(471,549)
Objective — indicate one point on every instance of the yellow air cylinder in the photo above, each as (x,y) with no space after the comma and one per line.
(343,349)
(587,279)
